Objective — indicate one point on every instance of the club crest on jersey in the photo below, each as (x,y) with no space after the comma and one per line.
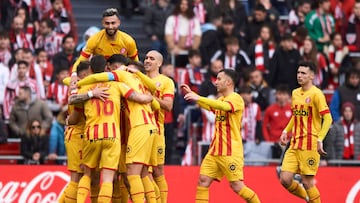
(232,167)
(308,100)
(122,51)
(311,162)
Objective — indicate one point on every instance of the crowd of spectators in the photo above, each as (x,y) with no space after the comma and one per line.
(262,40)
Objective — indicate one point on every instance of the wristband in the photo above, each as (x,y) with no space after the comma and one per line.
(284,131)
(73,74)
(90,94)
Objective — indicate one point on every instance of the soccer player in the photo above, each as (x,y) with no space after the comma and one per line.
(309,124)
(102,135)
(108,41)
(164,93)
(225,156)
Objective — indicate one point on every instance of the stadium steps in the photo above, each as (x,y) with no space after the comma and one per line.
(88,13)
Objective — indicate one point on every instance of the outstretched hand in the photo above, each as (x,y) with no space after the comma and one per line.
(185,88)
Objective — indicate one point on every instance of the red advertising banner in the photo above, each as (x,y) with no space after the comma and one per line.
(43,184)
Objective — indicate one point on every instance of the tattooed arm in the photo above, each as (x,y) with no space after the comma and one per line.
(99,93)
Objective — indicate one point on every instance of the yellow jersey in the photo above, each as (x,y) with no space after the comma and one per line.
(307,109)
(227,139)
(103,118)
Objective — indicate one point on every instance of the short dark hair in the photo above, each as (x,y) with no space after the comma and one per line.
(50,23)
(118,58)
(287,37)
(26,89)
(244,90)
(309,64)
(38,50)
(283,88)
(110,12)
(260,7)
(97,64)
(194,52)
(23,62)
(4,34)
(83,65)
(67,37)
(232,74)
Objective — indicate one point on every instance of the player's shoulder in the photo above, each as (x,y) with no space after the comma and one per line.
(97,35)
(125,36)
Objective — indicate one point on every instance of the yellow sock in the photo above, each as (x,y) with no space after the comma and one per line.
(94,194)
(71,192)
(157,192)
(314,195)
(249,195)
(116,196)
(202,194)
(136,189)
(83,189)
(296,189)
(105,193)
(124,193)
(149,190)
(163,186)
(61,198)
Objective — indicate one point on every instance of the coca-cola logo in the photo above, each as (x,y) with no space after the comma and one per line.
(40,189)
(354,193)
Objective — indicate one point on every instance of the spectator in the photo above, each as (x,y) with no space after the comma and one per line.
(87,34)
(12,87)
(257,21)
(154,24)
(233,57)
(351,29)
(26,108)
(210,41)
(56,140)
(336,53)
(65,58)
(262,50)
(4,79)
(42,7)
(284,71)
(200,11)
(297,15)
(301,33)
(227,30)
(261,93)
(63,19)
(129,7)
(193,76)
(251,120)
(34,72)
(182,32)
(320,24)
(17,56)
(48,39)
(272,12)
(310,53)
(34,146)
(30,24)
(45,66)
(208,86)
(277,115)
(58,92)
(236,10)
(7,12)
(19,38)
(5,54)
(343,139)
(348,92)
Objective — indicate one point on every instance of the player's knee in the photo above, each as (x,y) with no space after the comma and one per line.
(236,186)
(204,181)
(285,180)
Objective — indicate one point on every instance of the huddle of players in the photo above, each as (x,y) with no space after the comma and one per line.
(115,128)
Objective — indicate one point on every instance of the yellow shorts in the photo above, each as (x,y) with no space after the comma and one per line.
(140,143)
(102,153)
(74,150)
(159,149)
(217,167)
(304,162)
